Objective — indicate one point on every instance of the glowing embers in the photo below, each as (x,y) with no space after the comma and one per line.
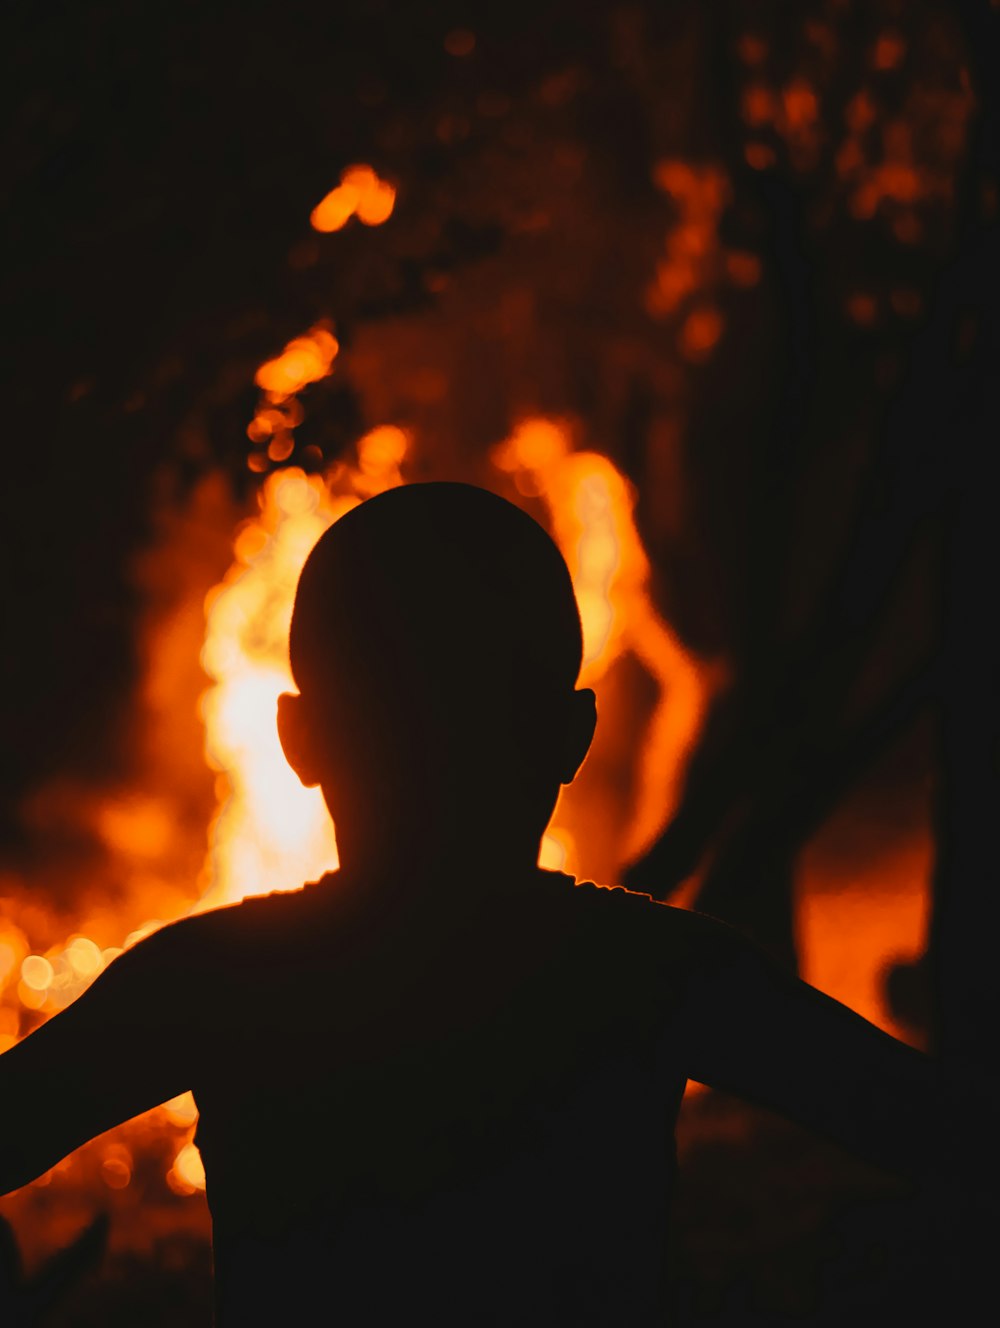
(44,982)
(700,193)
(116,1166)
(188,1172)
(590,506)
(269,831)
(360,194)
(694,261)
(304,360)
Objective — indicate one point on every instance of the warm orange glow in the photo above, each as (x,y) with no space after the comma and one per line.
(557,851)
(791,112)
(760,106)
(188,1172)
(181,1110)
(116,1166)
(360,194)
(36,973)
(139,827)
(10,1025)
(911,161)
(84,957)
(380,454)
(889,51)
(700,333)
(8,959)
(693,255)
(305,360)
(861,111)
(590,506)
(49,982)
(32,998)
(759,156)
(269,831)
(801,106)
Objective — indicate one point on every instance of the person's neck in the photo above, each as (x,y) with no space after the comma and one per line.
(459,869)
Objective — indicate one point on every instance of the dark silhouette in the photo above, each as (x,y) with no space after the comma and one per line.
(440,1085)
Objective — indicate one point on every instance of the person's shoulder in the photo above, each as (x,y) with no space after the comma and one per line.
(172,946)
(616,901)
(699,939)
(203,936)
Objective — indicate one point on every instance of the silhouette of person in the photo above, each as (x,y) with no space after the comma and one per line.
(440,1084)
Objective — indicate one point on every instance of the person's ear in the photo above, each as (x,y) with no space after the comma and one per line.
(581,720)
(296,735)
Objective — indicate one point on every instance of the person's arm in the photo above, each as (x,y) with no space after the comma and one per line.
(118,1050)
(755,1031)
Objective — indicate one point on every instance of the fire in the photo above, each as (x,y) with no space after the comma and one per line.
(305,360)
(187,1175)
(269,829)
(360,194)
(268,832)
(44,983)
(590,507)
(692,251)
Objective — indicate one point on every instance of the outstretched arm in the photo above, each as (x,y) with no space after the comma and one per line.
(115,1052)
(753,1030)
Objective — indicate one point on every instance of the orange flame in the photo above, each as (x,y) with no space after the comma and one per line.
(591,511)
(360,194)
(269,828)
(305,360)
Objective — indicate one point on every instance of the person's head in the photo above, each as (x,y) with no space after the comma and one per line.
(436,645)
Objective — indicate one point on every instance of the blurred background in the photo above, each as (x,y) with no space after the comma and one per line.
(711,291)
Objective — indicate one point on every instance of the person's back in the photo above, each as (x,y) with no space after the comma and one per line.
(442,1083)
(471,1114)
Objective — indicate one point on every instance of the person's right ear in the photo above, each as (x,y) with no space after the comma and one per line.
(296,735)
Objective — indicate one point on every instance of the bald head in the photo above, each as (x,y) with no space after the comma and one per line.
(436,644)
(429,591)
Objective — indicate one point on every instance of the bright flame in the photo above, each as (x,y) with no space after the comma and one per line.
(270,830)
(591,512)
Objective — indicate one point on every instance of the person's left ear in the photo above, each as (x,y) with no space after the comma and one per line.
(296,736)
(581,721)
